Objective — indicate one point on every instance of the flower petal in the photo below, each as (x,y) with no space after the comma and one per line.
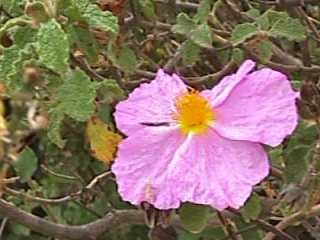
(219,172)
(260,108)
(150,103)
(220,92)
(141,163)
(162,167)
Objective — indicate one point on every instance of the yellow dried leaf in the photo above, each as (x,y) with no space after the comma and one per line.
(2,108)
(103,141)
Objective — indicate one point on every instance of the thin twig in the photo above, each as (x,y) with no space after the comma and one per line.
(69,197)
(88,231)
(3,224)
(9,180)
(294,218)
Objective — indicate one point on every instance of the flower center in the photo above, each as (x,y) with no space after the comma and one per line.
(194,113)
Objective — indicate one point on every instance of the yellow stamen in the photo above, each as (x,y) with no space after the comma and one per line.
(194,112)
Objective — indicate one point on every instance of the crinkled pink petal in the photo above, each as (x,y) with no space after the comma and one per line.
(141,166)
(260,108)
(150,102)
(219,172)
(163,167)
(220,92)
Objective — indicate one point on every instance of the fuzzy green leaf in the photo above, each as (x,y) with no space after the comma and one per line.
(84,40)
(53,46)
(11,66)
(184,24)
(194,217)
(242,32)
(203,11)
(54,132)
(76,96)
(190,52)
(112,91)
(101,19)
(297,163)
(252,208)
(265,50)
(26,164)
(147,7)
(202,36)
(124,58)
(289,28)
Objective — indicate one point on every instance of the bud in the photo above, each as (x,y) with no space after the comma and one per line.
(37,12)
(31,75)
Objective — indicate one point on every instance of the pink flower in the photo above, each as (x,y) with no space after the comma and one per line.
(201,147)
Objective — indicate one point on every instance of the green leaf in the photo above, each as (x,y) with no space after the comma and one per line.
(202,36)
(84,40)
(275,16)
(253,13)
(54,133)
(76,95)
(238,55)
(147,7)
(203,11)
(242,32)
(123,58)
(23,35)
(13,7)
(252,208)
(297,161)
(289,28)
(184,24)
(6,67)
(53,46)
(26,164)
(101,19)
(265,50)
(11,66)
(111,90)
(194,217)
(190,52)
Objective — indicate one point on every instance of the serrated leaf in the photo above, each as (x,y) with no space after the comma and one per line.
(101,19)
(26,164)
(297,160)
(190,52)
(123,58)
(54,131)
(194,217)
(203,11)
(53,46)
(76,95)
(202,36)
(103,141)
(288,28)
(242,32)
(184,24)
(252,208)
